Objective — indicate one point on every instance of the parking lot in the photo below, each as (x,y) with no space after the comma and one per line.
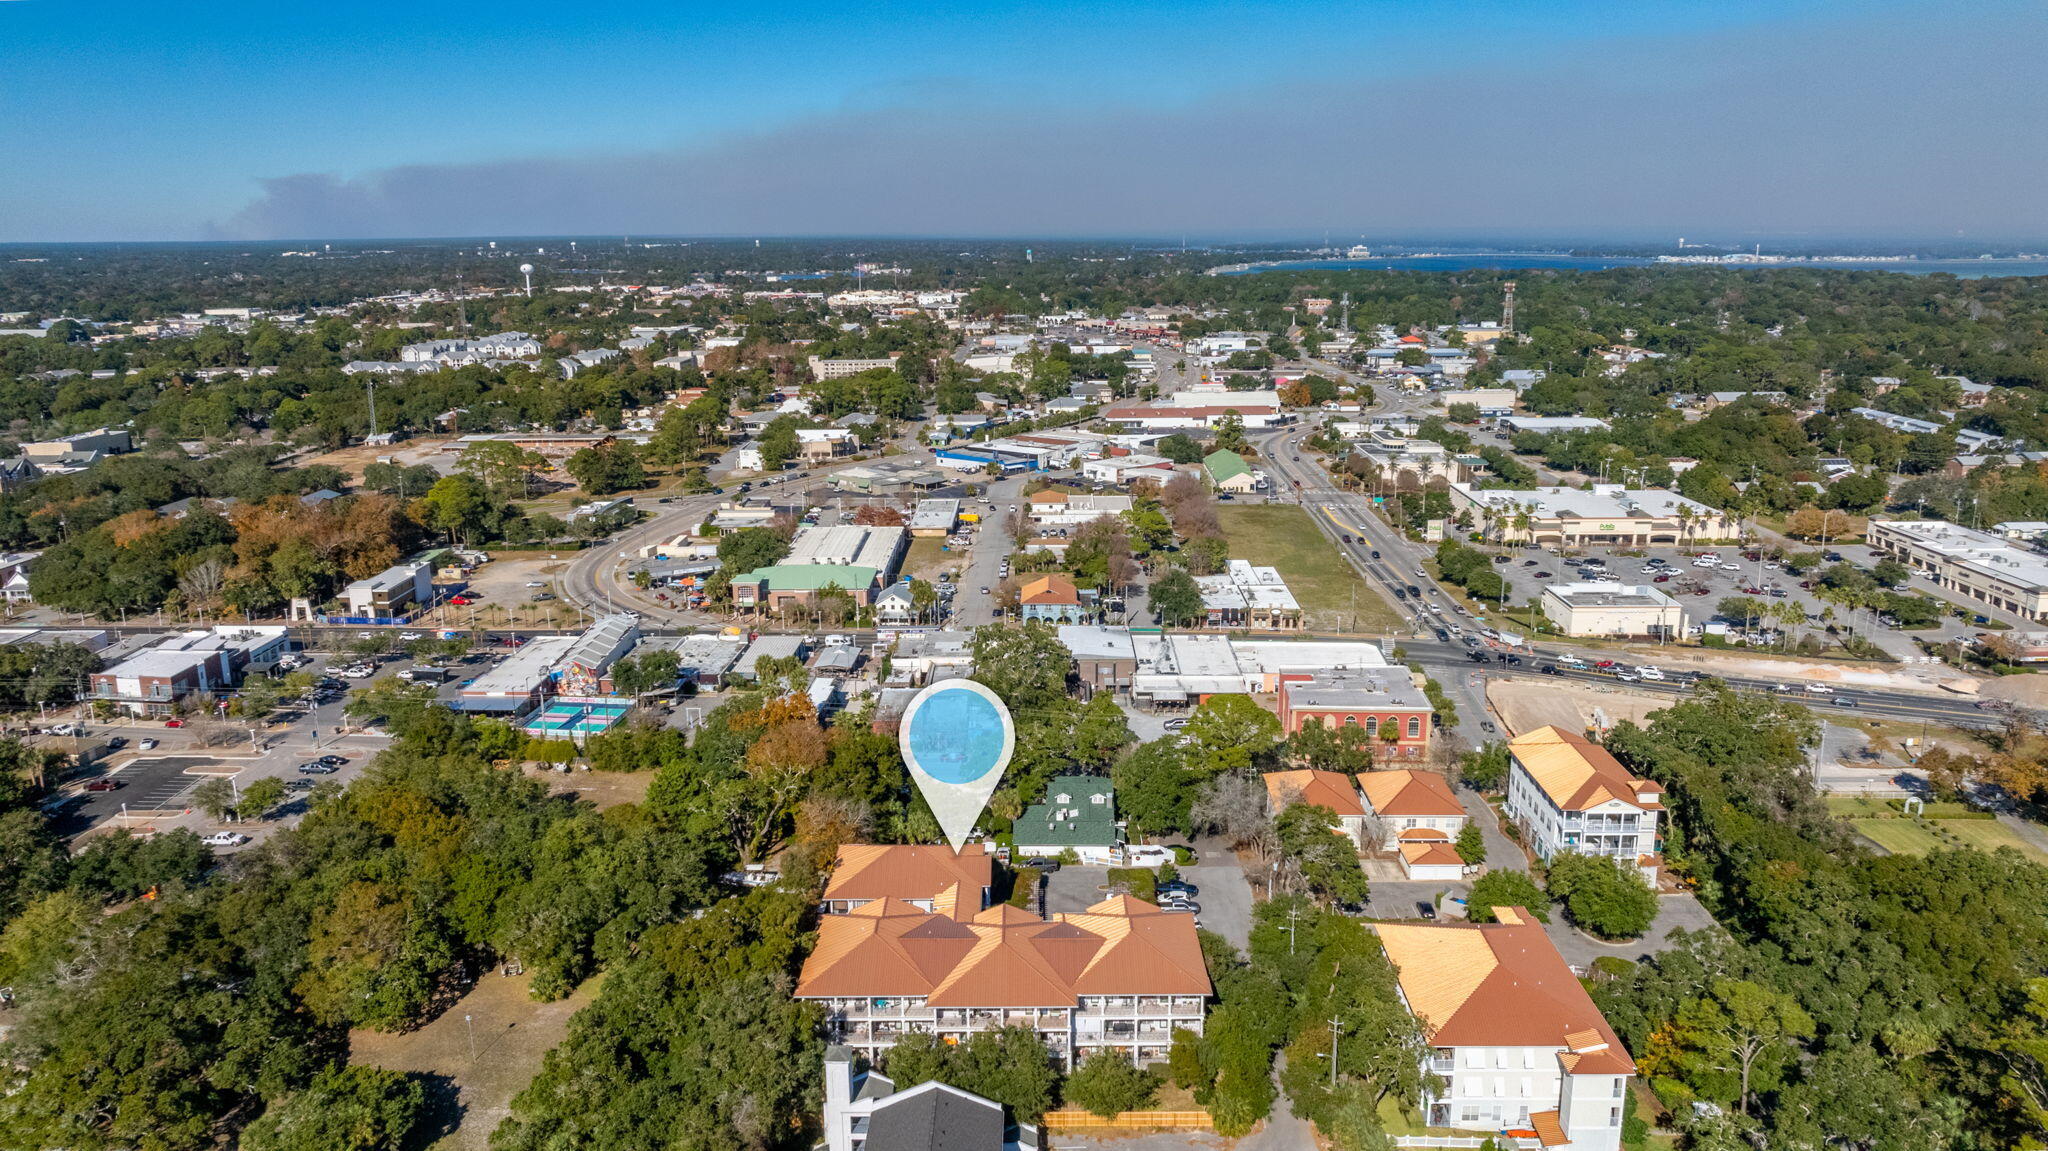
(1224,895)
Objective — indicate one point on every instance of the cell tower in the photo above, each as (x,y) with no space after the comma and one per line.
(1344,324)
(1507,308)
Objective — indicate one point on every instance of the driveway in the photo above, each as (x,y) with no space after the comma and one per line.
(1400,900)
(1226,897)
(1580,950)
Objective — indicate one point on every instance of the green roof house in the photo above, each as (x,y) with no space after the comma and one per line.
(1229,473)
(1079,812)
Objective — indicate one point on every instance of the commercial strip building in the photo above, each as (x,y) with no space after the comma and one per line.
(1247,596)
(1568,794)
(1053,508)
(1607,516)
(1974,565)
(934,518)
(1515,1042)
(858,560)
(520,683)
(1122,975)
(1596,608)
(154,681)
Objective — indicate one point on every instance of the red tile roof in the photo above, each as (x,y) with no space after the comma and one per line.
(1331,789)
(1409,793)
(910,871)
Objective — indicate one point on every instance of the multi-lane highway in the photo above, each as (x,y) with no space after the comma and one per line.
(1388,561)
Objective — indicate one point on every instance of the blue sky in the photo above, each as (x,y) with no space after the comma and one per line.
(139,121)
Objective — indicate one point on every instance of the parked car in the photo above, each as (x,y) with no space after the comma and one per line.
(1181,887)
(147,745)
(225,839)
(174,723)
(117,743)
(103,785)
(332,760)
(1425,909)
(316,769)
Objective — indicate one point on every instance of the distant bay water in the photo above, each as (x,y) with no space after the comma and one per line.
(1539,261)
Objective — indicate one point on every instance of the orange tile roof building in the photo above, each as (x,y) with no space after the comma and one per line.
(1121,975)
(1331,789)
(1568,794)
(1050,597)
(1416,815)
(1516,1041)
(929,877)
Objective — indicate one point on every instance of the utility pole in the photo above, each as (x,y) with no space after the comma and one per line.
(1293,913)
(373,405)
(1336,1024)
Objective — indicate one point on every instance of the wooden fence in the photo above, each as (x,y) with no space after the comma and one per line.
(1155,1120)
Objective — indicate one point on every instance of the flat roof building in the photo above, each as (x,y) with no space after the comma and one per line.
(1387,703)
(1974,565)
(1608,515)
(1598,608)
(391,591)
(1245,595)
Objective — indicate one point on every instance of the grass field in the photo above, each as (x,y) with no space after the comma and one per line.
(481,1062)
(924,559)
(1911,837)
(1331,595)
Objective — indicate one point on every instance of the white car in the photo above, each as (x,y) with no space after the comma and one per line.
(225,839)
(1820,689)
(409,636)
(1651,673)
(536,583)
(1731,567)
(146,745)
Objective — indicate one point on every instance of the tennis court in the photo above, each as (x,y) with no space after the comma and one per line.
(575,717)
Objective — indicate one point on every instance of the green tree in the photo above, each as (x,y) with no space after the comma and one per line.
(1176,599)
(1107,1084)
(456,505)
(353,1108)
(1505,889)
(1313,843)
(1011,1066)
(215,797)
(1027,666)
(1471,845)
(1154,788)
(1742,1029)
(1607,897)
(260,797)
(1487,768)
(1229,732)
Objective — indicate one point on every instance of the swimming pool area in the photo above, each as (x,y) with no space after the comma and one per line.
(575,718)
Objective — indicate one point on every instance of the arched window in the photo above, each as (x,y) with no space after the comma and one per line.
(1350,721)
(1414,726)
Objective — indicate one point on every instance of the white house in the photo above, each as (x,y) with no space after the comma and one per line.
(1568,794)
(1515,1041)
(1418,816)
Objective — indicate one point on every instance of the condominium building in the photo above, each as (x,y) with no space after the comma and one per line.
(1974,565)
(1122,975)
(925,876)
(1515,1041)
(1568,794)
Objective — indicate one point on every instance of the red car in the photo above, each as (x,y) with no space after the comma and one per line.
(461,601)
(1606,665)
(1665,578)
(103,785)
(174,723)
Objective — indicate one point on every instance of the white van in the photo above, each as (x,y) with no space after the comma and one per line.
(1651,673)
(1146,855)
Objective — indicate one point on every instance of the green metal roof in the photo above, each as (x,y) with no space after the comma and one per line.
(810,577)
(1224,465)
(1079,822)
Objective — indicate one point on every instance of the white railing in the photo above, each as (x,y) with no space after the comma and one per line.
(1505,1142)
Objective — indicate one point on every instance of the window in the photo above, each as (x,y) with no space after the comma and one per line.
(1350,721)
(1414,726)
(1614,1116)
(1528,1061)
(1620,1085)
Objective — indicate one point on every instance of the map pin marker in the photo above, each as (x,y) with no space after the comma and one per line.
(957,738)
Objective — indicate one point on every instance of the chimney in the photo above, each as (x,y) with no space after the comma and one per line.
(838,1098)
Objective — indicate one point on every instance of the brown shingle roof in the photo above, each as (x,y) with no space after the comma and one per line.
(1409,793)
(1331,789)
(1499,985)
